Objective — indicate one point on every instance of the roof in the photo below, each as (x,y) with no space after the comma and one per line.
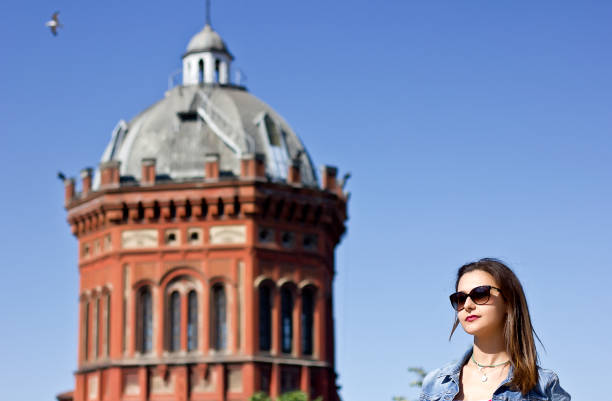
(192,121)
(207,39)
(67,396)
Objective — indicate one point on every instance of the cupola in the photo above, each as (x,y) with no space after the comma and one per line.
(207,60)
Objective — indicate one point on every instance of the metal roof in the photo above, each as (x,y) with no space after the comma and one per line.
(191,121)
(207,39)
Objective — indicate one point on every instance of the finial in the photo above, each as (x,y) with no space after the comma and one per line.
(207,12)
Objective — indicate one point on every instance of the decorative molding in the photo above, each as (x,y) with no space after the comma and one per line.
(135,239)
(228,234)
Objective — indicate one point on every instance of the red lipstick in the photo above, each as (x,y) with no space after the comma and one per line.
(471,318)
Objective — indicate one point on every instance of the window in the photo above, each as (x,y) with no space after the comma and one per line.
(265,318)
(201,71)
(290,378)
(192,321)
(174,341)
(265,235)
(287,239)
(265,377)
(145,321)
(286,320)
(194,235)
(219,318)
(307,320)
(107,242)
(181,314)
(273,134)
(171,236)
(310,242)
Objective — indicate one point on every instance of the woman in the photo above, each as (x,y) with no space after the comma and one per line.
(502,364)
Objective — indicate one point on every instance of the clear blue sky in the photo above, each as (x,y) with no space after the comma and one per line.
(472,128)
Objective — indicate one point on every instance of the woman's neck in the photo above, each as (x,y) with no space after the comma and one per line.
(490,350)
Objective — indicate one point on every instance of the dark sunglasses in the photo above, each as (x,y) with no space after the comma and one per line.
(480,296)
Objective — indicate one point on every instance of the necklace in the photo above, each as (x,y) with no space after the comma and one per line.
(484,377)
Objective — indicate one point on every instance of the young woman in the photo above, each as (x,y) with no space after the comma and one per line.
(502,364)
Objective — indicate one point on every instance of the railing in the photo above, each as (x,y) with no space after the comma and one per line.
(231,134)
(175,78)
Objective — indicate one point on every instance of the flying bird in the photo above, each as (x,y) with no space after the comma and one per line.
(344,180)
(54,23)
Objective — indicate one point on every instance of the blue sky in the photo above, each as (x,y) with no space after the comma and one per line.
(471,129)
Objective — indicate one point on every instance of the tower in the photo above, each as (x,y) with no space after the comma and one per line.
(206,249)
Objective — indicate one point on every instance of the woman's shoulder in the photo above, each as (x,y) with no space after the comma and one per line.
(434,380)
(549,386)
(439,379)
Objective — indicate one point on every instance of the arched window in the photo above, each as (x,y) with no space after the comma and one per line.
(174,329)
(201,71)
(145,320)
(286,320)
(217,70)
(307,320)
(219,318)
(192,321)
(265,318)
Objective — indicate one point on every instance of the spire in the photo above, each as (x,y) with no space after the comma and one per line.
(208,12)
(207,60)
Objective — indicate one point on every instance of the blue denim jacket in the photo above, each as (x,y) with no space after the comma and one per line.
(443,384)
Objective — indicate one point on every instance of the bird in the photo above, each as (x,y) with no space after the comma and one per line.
(344,180)
(54,23)
(61,176)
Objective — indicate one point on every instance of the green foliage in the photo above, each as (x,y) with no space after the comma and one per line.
(290,396)
(295,396)
(259,397)
(420,373)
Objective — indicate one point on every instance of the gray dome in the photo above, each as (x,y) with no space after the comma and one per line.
(191,121)
(207,39)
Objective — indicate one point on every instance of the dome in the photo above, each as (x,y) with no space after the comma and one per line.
(192,121)
(206,39)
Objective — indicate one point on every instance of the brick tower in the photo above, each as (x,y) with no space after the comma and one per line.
(206,249)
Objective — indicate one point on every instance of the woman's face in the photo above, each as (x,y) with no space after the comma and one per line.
(481,320)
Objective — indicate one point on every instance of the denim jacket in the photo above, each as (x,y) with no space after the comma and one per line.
(443,385)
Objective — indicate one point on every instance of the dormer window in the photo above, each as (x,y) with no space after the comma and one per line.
(273,134)
(277,154)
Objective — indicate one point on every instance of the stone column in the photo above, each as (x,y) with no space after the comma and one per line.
(305,380)
(184,320)
(276,312)
(275,381)
(297,324)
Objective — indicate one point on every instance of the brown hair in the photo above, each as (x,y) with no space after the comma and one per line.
(518,331)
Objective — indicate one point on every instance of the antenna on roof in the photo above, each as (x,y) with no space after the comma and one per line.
(207,12)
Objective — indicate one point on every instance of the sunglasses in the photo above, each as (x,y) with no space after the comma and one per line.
(480,295)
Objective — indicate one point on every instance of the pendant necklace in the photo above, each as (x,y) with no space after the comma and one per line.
(484,377)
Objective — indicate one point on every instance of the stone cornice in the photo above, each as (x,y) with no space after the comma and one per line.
(198,359)
(197,201)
